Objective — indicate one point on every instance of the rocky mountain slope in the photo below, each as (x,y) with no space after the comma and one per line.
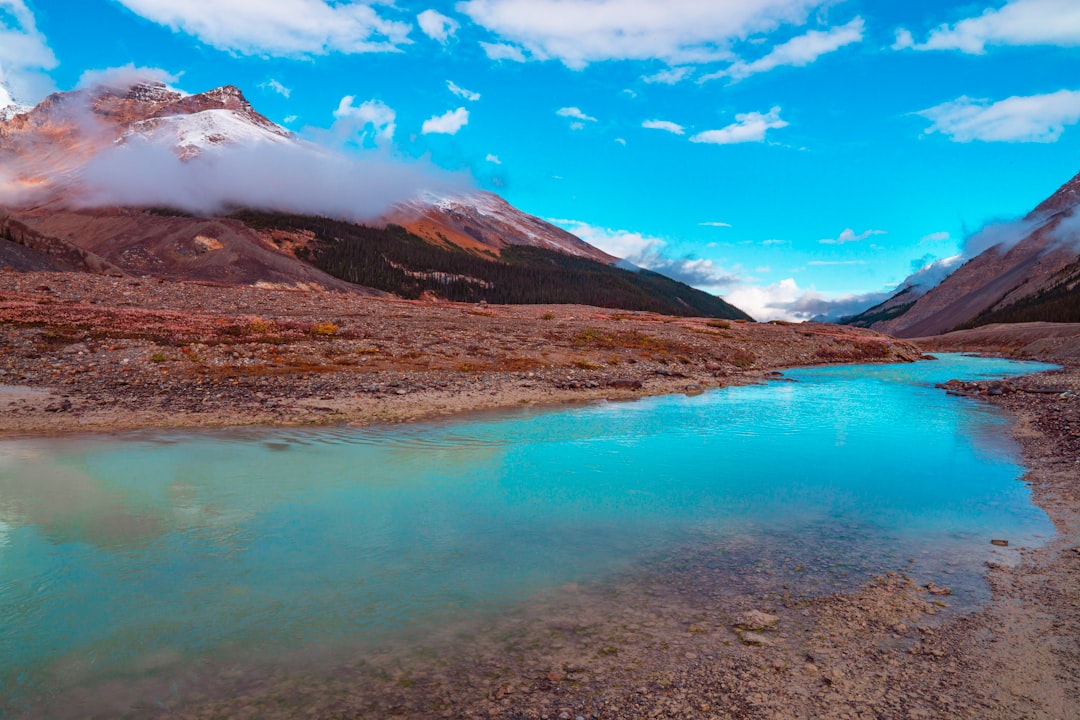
(486,223)
(510,256)
(1035,279)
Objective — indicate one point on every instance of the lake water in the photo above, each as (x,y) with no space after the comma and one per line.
(136,560)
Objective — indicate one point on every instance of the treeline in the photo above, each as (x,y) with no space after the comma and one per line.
(397,261)
(1058,303)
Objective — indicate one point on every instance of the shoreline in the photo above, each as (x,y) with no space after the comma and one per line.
(668,648)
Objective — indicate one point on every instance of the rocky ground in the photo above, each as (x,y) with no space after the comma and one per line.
(682,640)
(88,352)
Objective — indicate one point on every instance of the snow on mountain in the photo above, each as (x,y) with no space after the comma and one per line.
(9,107)
(191,134)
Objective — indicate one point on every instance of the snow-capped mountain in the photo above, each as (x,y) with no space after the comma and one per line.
(49,144)
(9,106)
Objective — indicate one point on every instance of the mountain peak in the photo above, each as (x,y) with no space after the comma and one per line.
(152,92)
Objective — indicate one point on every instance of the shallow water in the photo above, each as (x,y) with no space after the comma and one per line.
(142,558)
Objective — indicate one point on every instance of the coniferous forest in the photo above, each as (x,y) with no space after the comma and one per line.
(394,260)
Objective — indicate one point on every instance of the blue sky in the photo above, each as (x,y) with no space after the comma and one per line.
(788,154)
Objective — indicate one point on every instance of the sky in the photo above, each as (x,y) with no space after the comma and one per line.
(795,156)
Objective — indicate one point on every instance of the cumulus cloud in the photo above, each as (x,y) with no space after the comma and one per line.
(446,124)
(276,86)
(503,51)
(797,52)
(290,28)
(785,300)
(849,235)
(665,125)
(1018,22)
(1034,118)
(462,92)
(373,119)
(437,26)
(493,159)
(675,31)
(748,127)
(669,76)
(650,253)
(575,113)
(25,55)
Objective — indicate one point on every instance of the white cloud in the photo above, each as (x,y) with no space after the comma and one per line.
(493,159)
(665,125)
(125,76)
(676,31)
(621,141)
(277,87)
(669,76)
(904,40)
(573,112)
(773,241)
(288,28)
(748,127)
(25,55)
(577,125)
(797,52)
(290,119)
(503,51)
(446,124)
(935,237)
(1018,22)
(1035,118)
(848,235)
(462,92)
(715,224)
(437,26)
(649,253)
(375,113)
(835,263)
(780,301)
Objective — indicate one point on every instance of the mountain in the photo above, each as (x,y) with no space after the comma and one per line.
(9,106)
(469,247)
(484,222)
(1032,275)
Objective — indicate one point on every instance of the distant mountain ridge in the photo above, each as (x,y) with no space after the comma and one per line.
(1037,278)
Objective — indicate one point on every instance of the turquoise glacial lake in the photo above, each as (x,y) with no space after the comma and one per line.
(139,559)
